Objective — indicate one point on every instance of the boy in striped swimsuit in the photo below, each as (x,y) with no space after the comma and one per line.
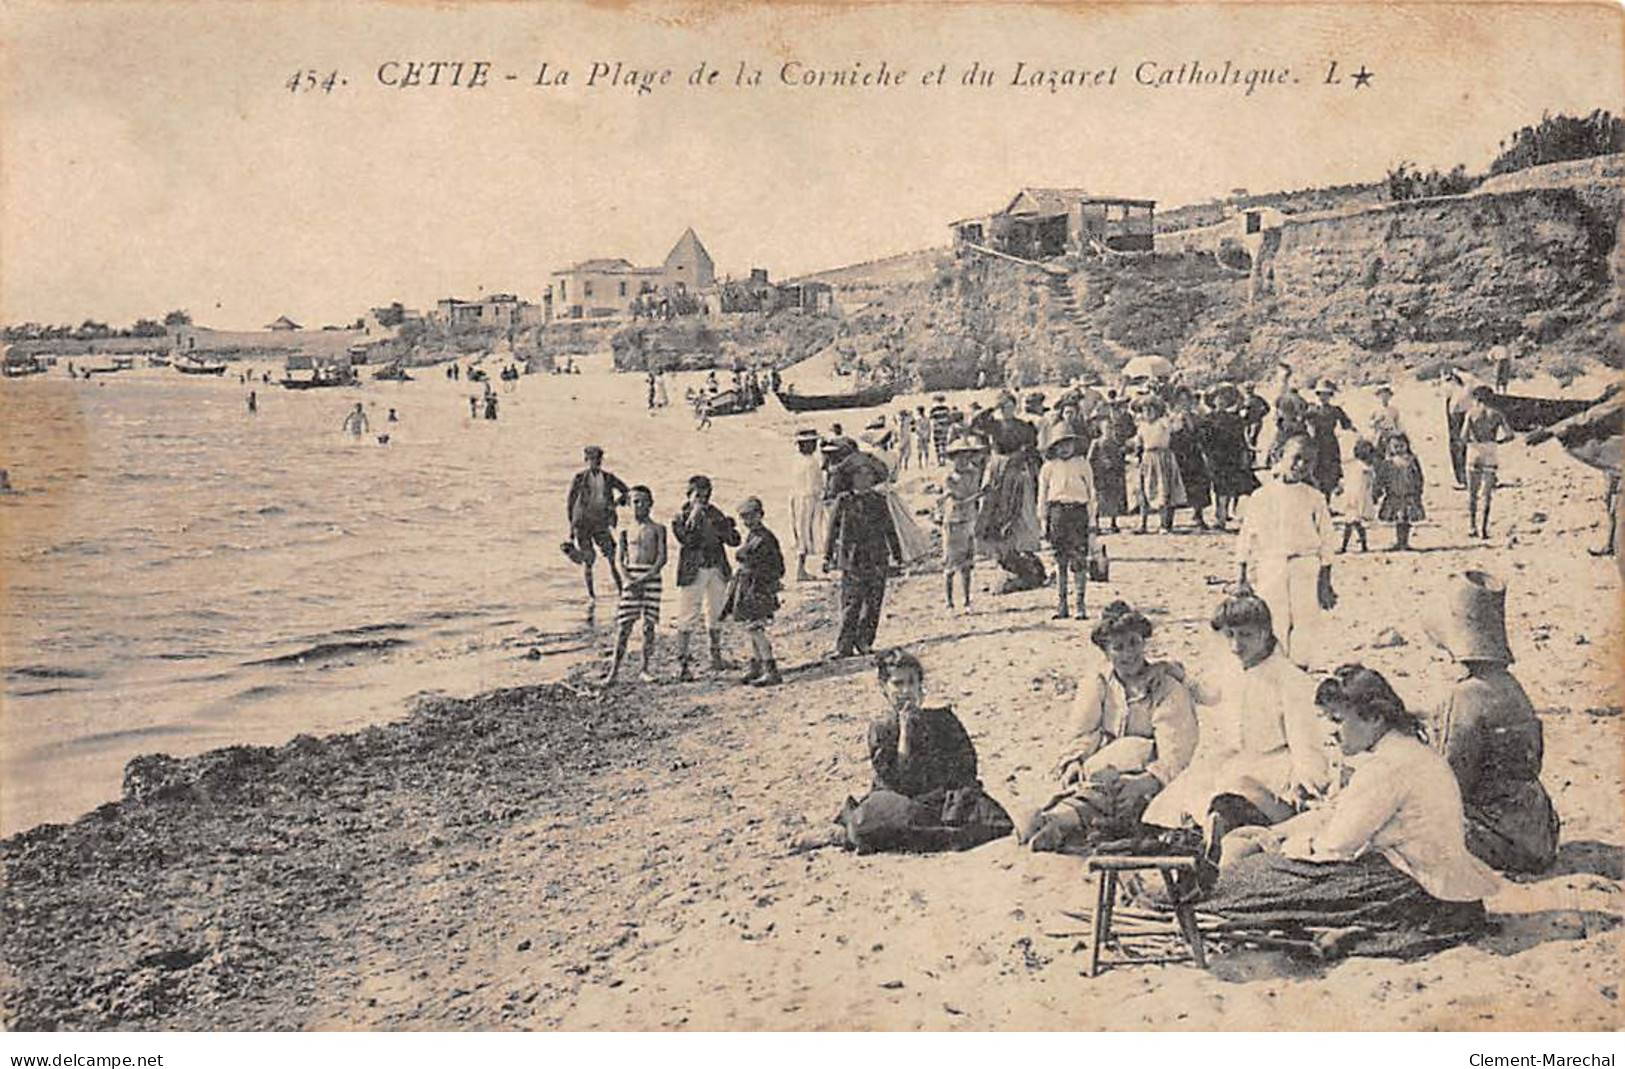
(643,554)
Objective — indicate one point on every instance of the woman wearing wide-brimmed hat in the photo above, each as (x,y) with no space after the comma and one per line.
(1323,420)
(1488,731)
(1135,730)
(1383,864)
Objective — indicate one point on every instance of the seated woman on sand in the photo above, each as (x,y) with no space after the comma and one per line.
(926,796)
(1384,864)
(1262,751)
(1136,731)
(1488,732)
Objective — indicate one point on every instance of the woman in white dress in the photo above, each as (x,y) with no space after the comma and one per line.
(1262,749)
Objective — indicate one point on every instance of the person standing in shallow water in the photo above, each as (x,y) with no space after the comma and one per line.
(355,424)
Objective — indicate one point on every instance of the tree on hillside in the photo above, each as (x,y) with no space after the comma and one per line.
(180,317)
(1561,137)
(147,328)
(391,316)
(1407,182)
(92,329)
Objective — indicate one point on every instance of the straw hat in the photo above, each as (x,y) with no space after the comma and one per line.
(1472,621)
(1383,388)
(806,434)
(1054,434)
(1325,388)
(960,444)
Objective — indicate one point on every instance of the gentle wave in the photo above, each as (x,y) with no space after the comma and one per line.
(325,651)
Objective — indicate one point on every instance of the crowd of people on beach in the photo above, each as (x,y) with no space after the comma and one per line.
(1307,804)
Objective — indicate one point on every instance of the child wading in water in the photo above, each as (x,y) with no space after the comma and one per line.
(957,508)
(755,594)
(1401,490)
(643,554)
(1359,498)
(1066,497)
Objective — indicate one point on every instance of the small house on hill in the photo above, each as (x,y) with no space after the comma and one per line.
(283,323)
(1039,223)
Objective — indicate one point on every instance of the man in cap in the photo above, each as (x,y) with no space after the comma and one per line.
(590,507)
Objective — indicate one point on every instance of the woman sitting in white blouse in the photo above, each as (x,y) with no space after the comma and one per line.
(1135,730)
(1384,862)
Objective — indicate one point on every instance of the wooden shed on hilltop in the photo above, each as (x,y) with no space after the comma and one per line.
(1039,223)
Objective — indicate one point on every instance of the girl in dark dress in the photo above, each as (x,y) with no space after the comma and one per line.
(1109,462)
(1223,434)
(926,796)
(1323,420)
(754,596)
(1193,465)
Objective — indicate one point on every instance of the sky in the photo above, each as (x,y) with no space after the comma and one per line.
(152,156)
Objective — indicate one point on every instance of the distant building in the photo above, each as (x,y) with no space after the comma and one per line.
(501,310)
(283,323)
(1039,223)
(608,286)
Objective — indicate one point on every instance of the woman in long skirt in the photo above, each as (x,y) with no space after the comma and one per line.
(1161,488)
(1384,864)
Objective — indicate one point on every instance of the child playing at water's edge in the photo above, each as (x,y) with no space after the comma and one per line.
(643,555)
(754,597)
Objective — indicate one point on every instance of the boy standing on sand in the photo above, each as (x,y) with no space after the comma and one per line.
(703,532)
(590,506)
(1066,501)
(643,554)
(862,540)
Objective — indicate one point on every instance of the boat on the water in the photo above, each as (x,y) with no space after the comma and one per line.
(17,366)
(325,372)
(868,397)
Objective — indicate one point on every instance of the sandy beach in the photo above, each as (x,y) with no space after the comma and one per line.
(548,856)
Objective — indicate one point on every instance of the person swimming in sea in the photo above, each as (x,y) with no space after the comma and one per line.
(355,424)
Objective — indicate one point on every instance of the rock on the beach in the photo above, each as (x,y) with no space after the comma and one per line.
(1388,638)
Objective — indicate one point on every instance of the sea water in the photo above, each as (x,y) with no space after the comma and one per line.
(177,573)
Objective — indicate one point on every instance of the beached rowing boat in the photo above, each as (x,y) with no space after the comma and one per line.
(1530,413)
(868,397)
